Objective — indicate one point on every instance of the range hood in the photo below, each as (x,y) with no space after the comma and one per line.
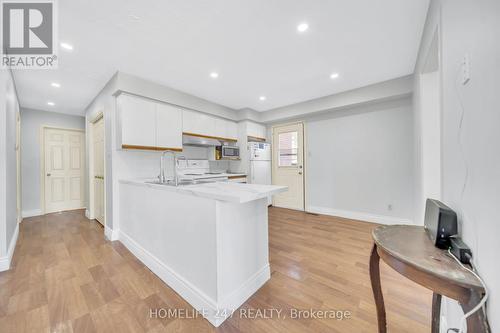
(191,140)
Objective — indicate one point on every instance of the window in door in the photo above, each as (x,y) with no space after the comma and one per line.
(288,149)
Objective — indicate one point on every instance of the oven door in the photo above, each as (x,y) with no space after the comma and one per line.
(230,152)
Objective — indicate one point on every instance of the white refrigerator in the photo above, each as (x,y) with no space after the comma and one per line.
(260,164)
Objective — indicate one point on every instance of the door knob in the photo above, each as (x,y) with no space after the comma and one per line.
(300,172)
(48,175)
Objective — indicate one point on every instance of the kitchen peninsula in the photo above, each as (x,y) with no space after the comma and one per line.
(208,242)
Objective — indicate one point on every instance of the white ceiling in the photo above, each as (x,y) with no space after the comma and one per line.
(253,45)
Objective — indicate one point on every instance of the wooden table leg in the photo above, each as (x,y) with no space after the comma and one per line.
(436,312)
(377,290)
(477,321)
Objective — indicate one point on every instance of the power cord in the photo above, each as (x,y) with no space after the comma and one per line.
(480,304)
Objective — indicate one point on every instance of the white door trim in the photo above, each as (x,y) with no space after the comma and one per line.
(91,207)
(43,128)
(19,204)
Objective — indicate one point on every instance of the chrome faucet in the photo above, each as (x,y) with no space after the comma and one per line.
(175,158)
(162,177)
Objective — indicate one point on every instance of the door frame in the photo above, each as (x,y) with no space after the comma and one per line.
(19,201)
(90,212)
(43,128)
(304,157)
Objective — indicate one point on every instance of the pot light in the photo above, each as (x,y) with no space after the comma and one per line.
(67,46)
(262,98)
(51,103)
(334,76)
(214,75)
(302,27)
(55,85)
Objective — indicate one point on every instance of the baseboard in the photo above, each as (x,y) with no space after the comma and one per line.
(239,296)
(381,219)
(111,234)
(31,213)
(198,300)
(5,261)
(186,290)
(87,214)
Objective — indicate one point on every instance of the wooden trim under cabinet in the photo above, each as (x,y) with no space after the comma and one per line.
(236,177)
(209,137)
(150,148)
(256,138)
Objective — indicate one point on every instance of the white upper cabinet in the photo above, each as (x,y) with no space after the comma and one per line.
(145,124)
(256,130)
(226,129)
(198,123)
(137,122)
(149,125)
(232,130)
(204,124)
(168,127)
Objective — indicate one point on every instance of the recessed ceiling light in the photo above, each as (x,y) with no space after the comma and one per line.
(214,75)
(302,27)
(55,85)
(67,46)
(334,75)
(133,17)
(51,103)
(262,98)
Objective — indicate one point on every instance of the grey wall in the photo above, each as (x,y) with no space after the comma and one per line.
(469,131)
(31,121)
(360,161)
(9,107)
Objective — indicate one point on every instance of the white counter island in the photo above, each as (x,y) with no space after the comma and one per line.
(208,242)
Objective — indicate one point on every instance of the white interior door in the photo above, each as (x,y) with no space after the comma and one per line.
(98,144)
(288,165)
(64,152)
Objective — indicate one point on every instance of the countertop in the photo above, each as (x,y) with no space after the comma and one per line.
(223,191)
(211,175)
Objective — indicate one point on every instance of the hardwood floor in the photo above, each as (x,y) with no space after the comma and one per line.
(67,278)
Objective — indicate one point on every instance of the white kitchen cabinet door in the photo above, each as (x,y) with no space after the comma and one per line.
(226,129)
(256,130)
(198,123)
(220,128)
(168,127)
(137,122)
(232,130)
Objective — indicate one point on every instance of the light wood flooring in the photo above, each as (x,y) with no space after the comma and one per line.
(66,277)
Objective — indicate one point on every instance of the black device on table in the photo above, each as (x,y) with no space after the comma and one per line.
(440,223)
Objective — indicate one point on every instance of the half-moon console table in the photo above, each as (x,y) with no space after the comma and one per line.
(409,251)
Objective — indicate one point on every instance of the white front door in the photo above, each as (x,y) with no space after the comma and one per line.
(98,142)
(64,169)
(288,165)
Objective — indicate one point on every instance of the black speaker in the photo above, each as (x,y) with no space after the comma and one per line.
(440,223)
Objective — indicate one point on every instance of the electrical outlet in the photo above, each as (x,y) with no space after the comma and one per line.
(465,69)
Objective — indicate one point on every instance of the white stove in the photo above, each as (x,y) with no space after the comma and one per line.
(198,169)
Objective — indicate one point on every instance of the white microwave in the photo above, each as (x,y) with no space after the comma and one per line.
(230,152)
